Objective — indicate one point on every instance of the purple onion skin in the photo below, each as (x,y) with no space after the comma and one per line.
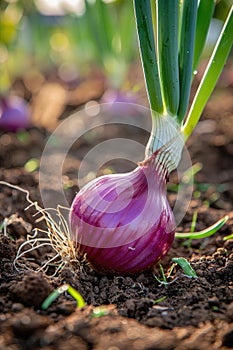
(123,222)
(14,114)
(120,103)
(112,96)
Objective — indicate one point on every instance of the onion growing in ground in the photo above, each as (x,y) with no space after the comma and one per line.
(123,223)
(14,114)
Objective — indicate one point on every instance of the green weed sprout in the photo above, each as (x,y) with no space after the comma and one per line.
(57,292)
(186,267)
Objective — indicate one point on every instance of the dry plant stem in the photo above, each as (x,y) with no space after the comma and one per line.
(58,237)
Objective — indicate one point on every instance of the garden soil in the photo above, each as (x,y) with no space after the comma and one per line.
(122,312)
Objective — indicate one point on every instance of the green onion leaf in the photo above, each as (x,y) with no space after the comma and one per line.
(204,15)
(167,36)
(145,33)
(105,23)
(226,238)
(211,75)
(204,233)
(97,27)
(186,51)
(127,30)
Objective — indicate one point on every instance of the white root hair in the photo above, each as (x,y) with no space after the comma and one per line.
(57,236)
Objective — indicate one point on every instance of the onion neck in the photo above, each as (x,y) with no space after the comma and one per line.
(165,143)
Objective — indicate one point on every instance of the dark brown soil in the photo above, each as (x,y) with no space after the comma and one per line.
(193,314)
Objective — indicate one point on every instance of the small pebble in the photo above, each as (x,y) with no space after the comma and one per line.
(16,307)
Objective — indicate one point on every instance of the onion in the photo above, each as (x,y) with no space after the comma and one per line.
(14,114)
(114,96)
(123,223)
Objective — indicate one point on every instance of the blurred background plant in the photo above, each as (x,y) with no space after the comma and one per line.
(71,42)
(71,36)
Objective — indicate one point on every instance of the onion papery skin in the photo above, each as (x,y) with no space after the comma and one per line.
(123,223)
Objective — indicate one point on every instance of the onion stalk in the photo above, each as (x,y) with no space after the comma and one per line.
(123,223)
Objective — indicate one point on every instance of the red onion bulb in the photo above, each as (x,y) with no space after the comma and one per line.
(123,223)
(14,114)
